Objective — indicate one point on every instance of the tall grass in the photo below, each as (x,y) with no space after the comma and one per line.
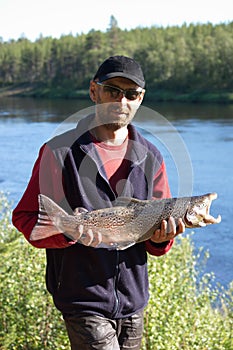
(185,310)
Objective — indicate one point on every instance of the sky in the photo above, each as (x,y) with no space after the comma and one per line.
(31,19)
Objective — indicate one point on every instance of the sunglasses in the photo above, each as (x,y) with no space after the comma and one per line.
(115,92)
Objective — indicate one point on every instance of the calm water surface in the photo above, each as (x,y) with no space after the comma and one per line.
(196,141)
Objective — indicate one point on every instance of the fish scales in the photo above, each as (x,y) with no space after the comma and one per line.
(129,221)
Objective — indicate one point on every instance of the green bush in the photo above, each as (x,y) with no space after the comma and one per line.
(28,319)
(184,312)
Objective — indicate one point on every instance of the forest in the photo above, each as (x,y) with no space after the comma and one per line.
(193,62)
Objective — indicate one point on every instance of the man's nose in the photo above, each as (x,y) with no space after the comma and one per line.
(121,98)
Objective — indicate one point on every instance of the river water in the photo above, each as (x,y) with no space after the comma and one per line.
(195,140)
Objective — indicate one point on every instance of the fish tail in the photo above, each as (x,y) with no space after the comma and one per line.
(46,226)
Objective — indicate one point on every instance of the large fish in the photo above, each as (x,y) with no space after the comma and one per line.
(129,221)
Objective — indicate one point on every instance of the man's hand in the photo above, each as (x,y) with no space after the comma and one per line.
(89,238)
(168,230)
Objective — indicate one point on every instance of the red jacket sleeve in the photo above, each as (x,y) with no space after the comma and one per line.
(158,249)
(46,174)
(161,190)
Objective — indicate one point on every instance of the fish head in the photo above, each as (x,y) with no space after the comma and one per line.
(198,212)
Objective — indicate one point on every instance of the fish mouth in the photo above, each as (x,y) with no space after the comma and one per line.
(199,213)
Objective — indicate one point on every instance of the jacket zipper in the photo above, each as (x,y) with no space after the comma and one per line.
(60,274)
(116,305)
(115,282)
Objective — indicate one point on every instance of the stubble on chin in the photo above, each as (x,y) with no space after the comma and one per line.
(114,126)
(106,115)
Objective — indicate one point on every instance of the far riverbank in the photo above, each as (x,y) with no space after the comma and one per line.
(40,91)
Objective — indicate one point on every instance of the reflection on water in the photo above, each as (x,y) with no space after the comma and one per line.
(205,130)
(42,110)
(186,111)
(58,109)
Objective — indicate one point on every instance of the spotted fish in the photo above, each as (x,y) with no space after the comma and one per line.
(129,221)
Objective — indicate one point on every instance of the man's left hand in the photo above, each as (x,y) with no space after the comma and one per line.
(168,230)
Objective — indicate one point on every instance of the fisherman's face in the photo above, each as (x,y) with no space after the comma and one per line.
(115,108)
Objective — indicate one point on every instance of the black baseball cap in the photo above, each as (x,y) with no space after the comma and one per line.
(121,66)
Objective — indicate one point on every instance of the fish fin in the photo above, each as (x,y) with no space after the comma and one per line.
(45,226)
(126,201)
(123,246)
(47,205)
(80,210)
(41,231)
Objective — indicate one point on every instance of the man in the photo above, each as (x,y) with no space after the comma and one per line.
(101,292)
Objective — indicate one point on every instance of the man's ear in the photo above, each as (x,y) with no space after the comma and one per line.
(92,90)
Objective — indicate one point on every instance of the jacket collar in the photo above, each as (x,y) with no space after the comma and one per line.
(136,153)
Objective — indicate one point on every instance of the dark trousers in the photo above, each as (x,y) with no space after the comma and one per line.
(95,332)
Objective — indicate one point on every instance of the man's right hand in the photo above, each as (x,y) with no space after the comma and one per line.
(89,238)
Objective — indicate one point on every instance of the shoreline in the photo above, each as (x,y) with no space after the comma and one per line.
(33,91)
